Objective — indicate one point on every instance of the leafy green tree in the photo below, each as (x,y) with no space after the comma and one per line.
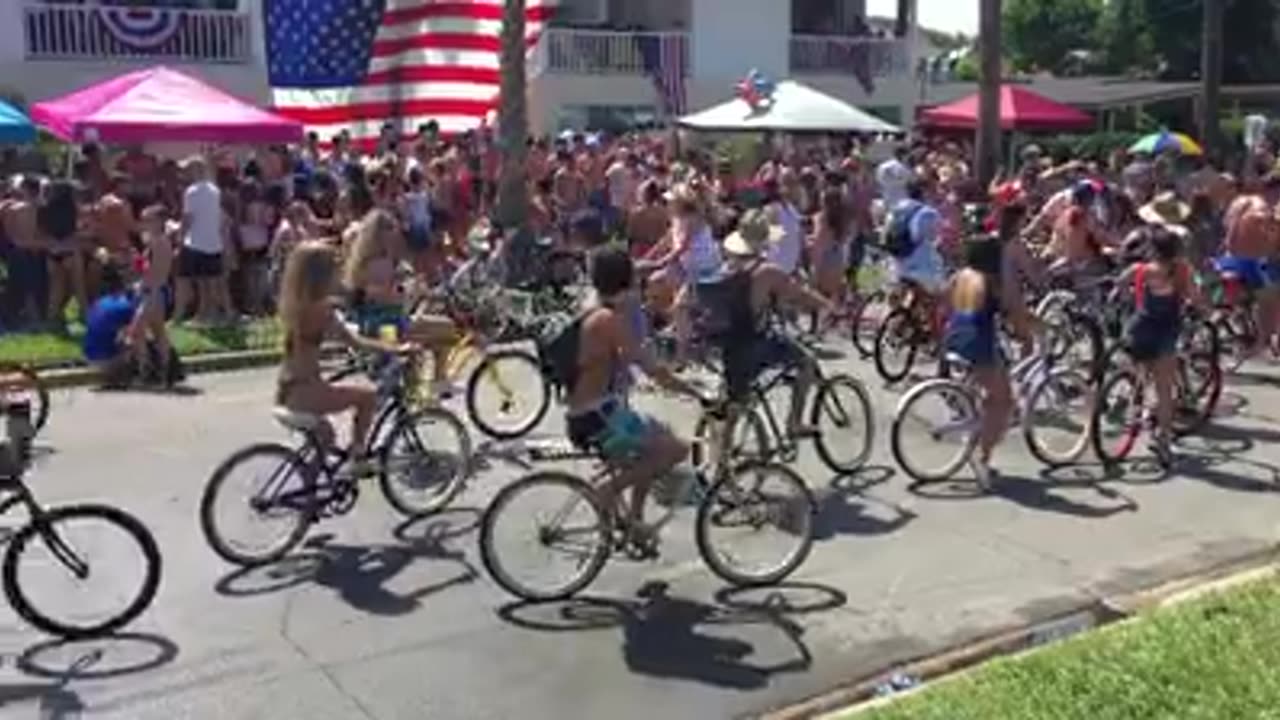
(1249,30)
(1038,34)
(1124,37)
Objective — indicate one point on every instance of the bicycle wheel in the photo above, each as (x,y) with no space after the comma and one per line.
(755,526)
(846,427)
(20,382)
(1237,333)
(1055,423)
(750,441)
(865,322)
(942,412)
(538,509)
(1075,341)
(424,461)
(507,396)
(1197,393)
(281,494)
(1118,416)
(46,559)
(896,345)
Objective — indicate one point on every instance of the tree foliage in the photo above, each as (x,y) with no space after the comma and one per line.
(1038,34)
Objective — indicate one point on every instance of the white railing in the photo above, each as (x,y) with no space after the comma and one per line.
(61,32)
(884,57)
(610,52)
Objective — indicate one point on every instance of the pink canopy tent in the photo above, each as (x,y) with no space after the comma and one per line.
(1020,109)
(160,105)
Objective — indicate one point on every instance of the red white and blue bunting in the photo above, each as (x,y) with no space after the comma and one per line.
(140,27)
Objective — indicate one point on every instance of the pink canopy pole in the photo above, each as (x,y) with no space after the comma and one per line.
(161,105)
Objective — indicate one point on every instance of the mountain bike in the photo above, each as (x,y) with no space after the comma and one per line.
(48,557)
(300,485)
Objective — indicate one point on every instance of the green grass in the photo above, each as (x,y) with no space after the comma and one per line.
(49,349)
(1214,657)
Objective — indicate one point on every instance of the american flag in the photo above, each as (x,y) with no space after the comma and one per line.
(665,62)
(354,65)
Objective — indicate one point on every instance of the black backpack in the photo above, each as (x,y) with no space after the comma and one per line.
(557,343)
(724,306)
(897,234)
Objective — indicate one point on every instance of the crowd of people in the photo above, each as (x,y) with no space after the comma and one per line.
(133,242)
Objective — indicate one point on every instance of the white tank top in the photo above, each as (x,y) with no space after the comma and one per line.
(702,259)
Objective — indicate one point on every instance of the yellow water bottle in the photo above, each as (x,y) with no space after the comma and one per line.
(389,334)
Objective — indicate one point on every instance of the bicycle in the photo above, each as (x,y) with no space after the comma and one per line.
(1125,409)
(735,499)
(839,401)
(18,380)
(48,529)
(414,480)
(1042,394)
(913,324)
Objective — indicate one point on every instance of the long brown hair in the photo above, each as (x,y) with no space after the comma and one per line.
(308,279)
(835,212)
(368,245)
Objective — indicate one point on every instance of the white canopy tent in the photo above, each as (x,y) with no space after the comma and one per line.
(795,108)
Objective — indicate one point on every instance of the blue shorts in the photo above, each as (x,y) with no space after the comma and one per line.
(615,430)
(418,238)
(1255,273)
(974,340)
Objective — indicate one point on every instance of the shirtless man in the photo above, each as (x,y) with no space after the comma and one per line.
(149,322)
(114,225)
(28,267)
(1249,249)
(1077,241)
(569,185)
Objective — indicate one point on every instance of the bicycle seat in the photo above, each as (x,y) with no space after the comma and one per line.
(297,421)
(957,364)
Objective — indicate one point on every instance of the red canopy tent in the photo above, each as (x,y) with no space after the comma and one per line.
(1020,109)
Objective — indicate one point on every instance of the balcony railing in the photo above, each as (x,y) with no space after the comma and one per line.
(883,57)
(613,52)
(97,32)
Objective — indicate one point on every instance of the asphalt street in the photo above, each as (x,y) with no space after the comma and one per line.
(375,617)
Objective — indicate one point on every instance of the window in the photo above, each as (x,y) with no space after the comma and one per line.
(583,12)
(612,119)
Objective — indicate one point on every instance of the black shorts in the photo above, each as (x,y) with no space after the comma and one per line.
(196,264)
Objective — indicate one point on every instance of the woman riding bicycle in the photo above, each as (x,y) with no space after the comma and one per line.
(309,316)
(1160,287)
(979,294)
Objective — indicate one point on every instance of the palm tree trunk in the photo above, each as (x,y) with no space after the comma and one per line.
(513,119)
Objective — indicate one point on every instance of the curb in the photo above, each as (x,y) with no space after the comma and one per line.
(861,694)
(198,364)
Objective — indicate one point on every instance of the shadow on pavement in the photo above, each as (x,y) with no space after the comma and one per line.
(359,573)
(1046,497)
(672,637)
(98,659)
(842,507)
(53,701)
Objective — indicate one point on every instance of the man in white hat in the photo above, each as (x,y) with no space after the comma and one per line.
(752,287)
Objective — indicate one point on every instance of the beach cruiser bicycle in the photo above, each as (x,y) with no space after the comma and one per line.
(422,456)
(50,563)
(937,422)
(548,535)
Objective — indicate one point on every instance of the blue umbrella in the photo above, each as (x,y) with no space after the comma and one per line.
(15,127)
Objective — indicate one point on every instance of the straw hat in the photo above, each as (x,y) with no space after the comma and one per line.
(1165,209)
(754,235)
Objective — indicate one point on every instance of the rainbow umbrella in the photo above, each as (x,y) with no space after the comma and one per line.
(1163,141)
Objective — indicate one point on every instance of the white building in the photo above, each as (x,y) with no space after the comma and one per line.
(587,70)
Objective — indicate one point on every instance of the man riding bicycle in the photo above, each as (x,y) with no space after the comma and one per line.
(1250,246)
(750,291)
